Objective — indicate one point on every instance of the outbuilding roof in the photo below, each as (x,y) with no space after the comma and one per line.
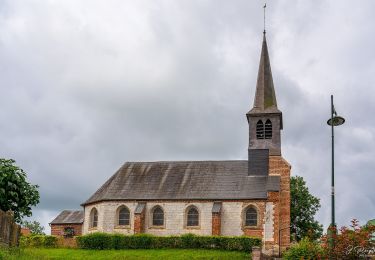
(181,180)
(69,217)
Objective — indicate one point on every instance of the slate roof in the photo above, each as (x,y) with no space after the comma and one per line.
(201,180)
(69,217)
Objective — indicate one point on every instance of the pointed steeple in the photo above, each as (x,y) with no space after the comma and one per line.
(265,98)
(265,119)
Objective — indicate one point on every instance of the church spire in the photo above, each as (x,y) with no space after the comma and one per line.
(265,98)
(265,119)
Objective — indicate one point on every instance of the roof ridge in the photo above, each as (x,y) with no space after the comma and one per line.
(185,161)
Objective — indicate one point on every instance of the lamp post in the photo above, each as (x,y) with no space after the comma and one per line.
(335,120)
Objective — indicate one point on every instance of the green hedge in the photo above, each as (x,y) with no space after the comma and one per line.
(144,241)
(38,241)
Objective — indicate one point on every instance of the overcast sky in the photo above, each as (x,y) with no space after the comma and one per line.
(88,85)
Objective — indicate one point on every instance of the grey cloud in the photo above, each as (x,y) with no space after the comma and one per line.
(85,88)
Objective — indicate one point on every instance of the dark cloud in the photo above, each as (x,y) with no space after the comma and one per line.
(85,88)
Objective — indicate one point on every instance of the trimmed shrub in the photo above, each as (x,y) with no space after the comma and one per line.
(305,249)
(95,240)
(143,241)
(146,241)
(190,241)
(118,241)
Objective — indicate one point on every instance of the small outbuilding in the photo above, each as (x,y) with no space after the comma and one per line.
(68,223)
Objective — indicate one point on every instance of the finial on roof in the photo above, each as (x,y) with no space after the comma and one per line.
(264,18)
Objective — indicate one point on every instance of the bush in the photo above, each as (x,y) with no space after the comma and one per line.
(50,241)
(24,241)
(101,241)
(354,242)
(117,241)
(145,241)
(95,240)
(38,241)
(305,249)
(190,241)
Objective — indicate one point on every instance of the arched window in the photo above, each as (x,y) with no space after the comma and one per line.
(268,129)
(251,217)
(260,130)
(158,216)
(94,218)
(192,218)
(123,216)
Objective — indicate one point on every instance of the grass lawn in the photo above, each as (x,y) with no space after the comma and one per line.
(43,253)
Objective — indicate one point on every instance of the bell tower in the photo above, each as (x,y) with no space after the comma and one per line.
(265,119)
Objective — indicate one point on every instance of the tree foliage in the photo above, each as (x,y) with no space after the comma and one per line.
(302,211)
(16,194)
(34,226)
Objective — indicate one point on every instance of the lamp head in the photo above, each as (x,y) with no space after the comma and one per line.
(336,121)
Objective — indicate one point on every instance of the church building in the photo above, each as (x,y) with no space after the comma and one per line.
(229,198)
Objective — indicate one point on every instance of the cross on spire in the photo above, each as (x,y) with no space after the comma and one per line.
(264,18)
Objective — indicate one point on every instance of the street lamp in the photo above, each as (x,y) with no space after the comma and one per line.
(335,120)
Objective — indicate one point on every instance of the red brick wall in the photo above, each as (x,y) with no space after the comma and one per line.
(58,229)
(254,232)
(278,166)
(139,223)
(25,231)
(216,224)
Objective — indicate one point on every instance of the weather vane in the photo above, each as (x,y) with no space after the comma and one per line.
(264,18)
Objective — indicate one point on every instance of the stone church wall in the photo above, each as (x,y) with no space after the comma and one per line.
(232,218)
(107,217)
(175,214)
